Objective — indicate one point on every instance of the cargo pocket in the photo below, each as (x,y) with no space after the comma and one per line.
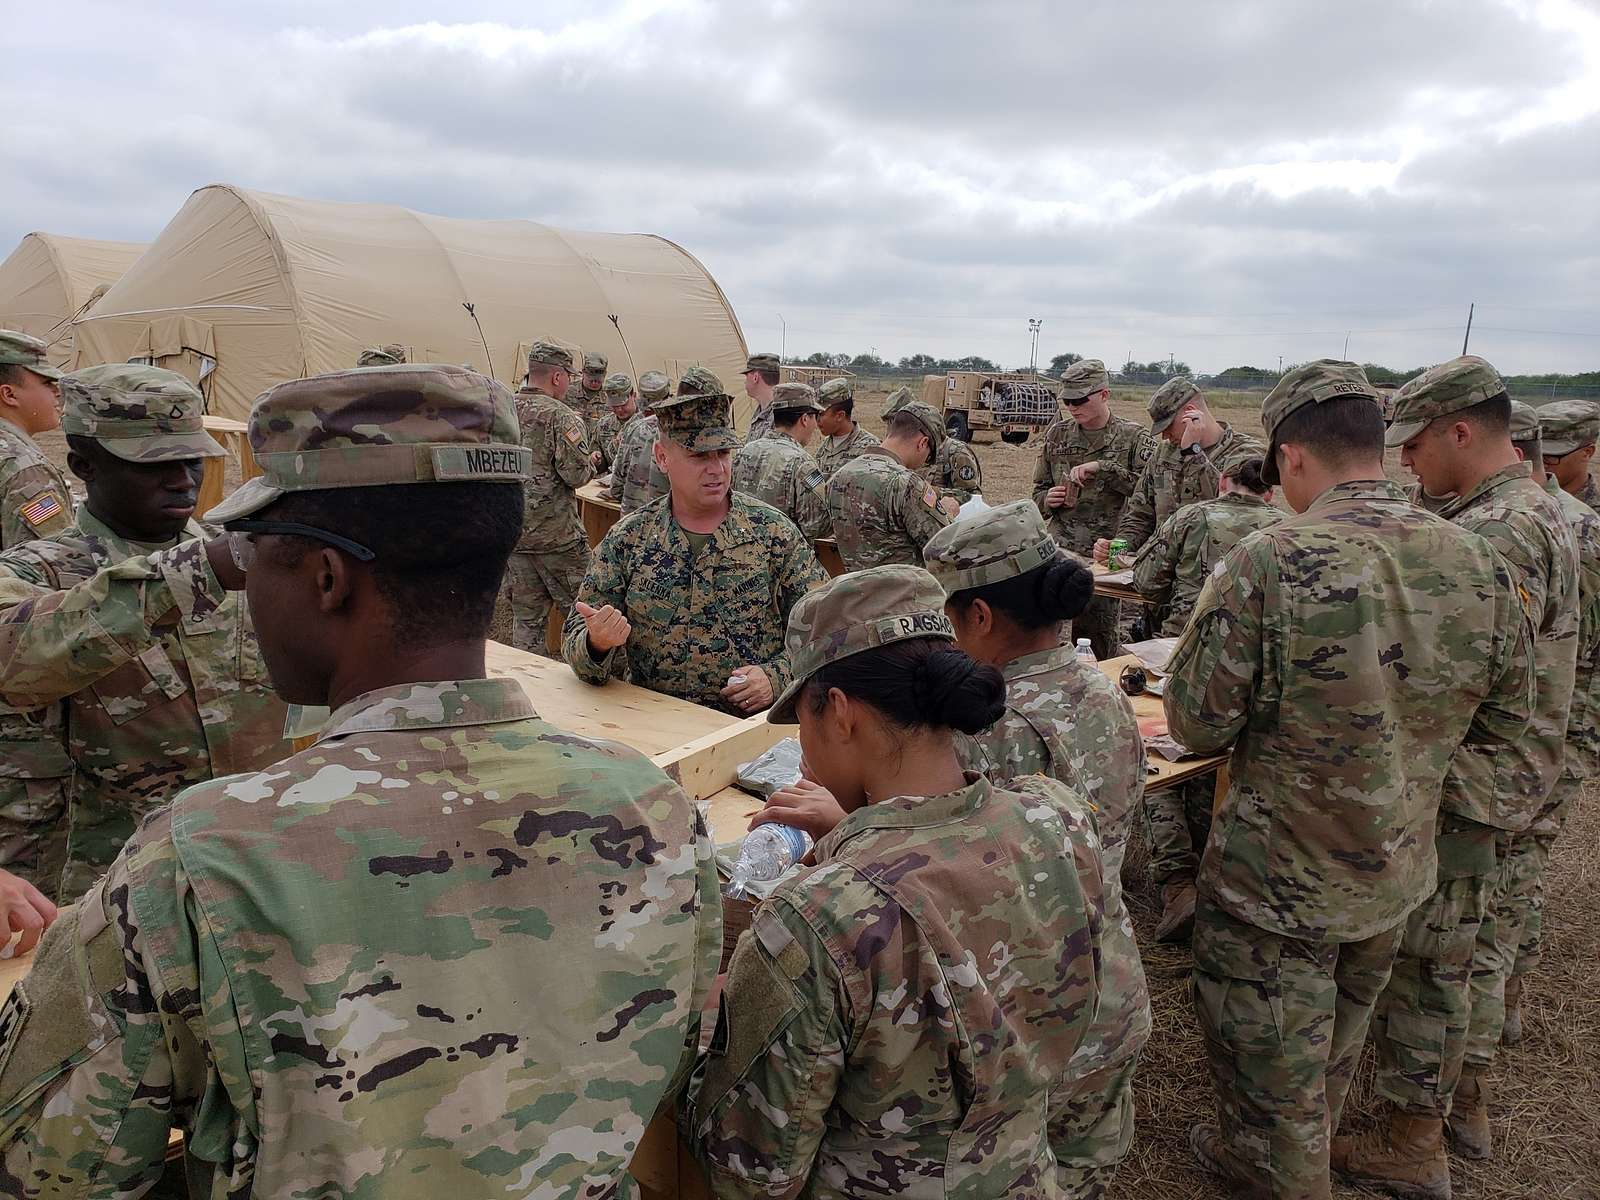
(1238,984)
(136,687)
(1445,925)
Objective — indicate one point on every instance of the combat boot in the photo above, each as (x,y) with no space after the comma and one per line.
(1404,1157)
(1178,899)
(1469,1115)
(1511,1033)
(1209,1147)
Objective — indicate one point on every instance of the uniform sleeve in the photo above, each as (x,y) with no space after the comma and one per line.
(570,451)
(1138,520)
(1504,715)
(797,572)
(811,502)
(33,506)
(55,643)
(919,510)
(103,1045)
(1157,567)
(965,475)
(754,1112)
(1044,477)
(606,582)
(1216,667)
(1120,472)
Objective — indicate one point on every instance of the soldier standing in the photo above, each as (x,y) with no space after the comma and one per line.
(1191,451)
(689,594)
(882,511)
(777,470)
(760,377)
(1089,464)
(635,478)
(320,971)
(1344,715)
(35,502)
(844,439)
(954,470)
(120,616)
(553,552)
(1440,1018)
(1010,590)
(586,393)
(624,407)
(1568,430)
(901,1018)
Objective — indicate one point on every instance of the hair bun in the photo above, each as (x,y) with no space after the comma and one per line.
(1065,589)
(954,691)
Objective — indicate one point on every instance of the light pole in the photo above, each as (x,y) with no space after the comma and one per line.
(783,345)
(1034,325)
(1280,366)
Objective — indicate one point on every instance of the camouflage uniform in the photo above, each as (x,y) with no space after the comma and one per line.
(1444,1004)
(590,405)
(1590,494)
(695,617)
(881,511)
(834,452)
(635,478)
(779,472)
(761,418)
(901,1018)
(1065,719)
(1569,425)
(955,471)
(324,973)
(609,435)
(1346,716)
(553,552)
(162,678)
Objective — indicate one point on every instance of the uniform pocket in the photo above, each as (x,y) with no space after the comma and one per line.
(1237,984)
(139,685)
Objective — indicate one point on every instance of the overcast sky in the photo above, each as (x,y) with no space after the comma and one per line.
(1224,182)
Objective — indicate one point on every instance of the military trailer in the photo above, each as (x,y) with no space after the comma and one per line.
(1010,403)
(815,376)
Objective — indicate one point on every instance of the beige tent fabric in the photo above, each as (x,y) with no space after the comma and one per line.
(49,279)
(273,288)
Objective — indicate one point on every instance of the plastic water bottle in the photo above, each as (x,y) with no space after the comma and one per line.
(1086,651)
(768,851)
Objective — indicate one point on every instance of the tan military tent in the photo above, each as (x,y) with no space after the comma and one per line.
(49,279)
(243,289)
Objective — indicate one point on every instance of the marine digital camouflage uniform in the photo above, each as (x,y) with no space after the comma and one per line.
(778,471)
(553,552)
(881,511)
(834,452)
(1172,479)
(373,1036)
(1325,840)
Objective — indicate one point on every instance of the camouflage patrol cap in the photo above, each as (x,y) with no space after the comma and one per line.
(1568,425)
(413,423)
(990,547)
(1524,422)
(381,356)
(932,423)
(24,350)
(836,391)
(1167,401)
(549,354)
(1313,383)
(856,612)
(699,424)
(795,395)
(761,362)
(595,361)
(653,386)
(1438,392)
(896,400)
(618,385)
(697,381)
(139,413)
(1083,379)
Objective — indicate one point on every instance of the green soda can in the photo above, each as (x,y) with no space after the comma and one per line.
(1119,547)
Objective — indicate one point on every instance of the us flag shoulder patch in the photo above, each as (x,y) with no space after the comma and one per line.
(574,436)
(930,498)
(41,509)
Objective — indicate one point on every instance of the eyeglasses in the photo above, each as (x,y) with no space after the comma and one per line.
(243,550)
(1083,399)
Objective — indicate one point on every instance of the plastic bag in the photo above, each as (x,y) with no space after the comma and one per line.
(778,768)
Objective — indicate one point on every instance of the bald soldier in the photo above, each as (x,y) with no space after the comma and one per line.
(119,617)
(320,971)
(635,478)
(882,510)
(689,595)
(1568,430)
(1346,654)
(553,552)
(1441,1015)
(586,393)
(760,378)
(777,470)
(843,439)
(1089,464)
(35,502)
